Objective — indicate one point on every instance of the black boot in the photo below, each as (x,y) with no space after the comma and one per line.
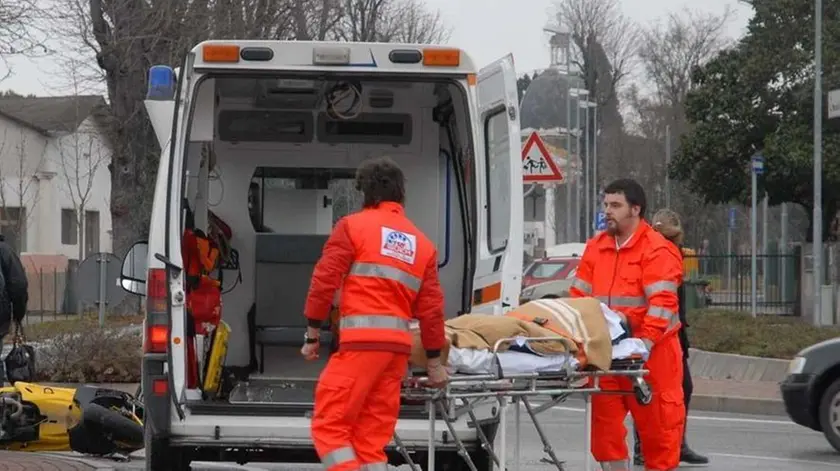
(688,456)
(637,449)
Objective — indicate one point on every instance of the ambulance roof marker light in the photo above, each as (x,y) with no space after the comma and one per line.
(162,82)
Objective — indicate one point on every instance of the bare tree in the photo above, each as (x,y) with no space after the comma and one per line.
(20,161)
(20,31)
(407,21)
(605,41)
(81,154)
(671,49)
(129,36)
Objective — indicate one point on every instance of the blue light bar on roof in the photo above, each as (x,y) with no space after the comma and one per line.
(162,83)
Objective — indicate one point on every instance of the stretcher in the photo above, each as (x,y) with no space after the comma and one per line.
(517,390)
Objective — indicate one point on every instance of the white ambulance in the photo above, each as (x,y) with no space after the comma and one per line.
(260,142)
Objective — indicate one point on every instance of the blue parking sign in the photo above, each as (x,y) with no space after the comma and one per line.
(733,216)
(600,221)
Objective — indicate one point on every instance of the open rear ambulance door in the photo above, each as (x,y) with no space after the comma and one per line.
(498,270)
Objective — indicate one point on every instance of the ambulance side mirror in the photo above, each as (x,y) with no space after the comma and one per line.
(134,266)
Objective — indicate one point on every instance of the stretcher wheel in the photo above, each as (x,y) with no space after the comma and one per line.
(642,392)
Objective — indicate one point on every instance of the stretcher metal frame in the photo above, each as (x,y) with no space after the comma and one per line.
(513,389)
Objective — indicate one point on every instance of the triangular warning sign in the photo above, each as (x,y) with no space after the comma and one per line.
(537,164)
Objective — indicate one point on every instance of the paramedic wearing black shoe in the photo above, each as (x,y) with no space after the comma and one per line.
(13,293)
(667,222)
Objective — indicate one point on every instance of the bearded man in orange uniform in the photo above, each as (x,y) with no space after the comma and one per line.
(634,270)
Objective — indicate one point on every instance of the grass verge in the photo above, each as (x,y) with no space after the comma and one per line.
(78,350)
(723,331)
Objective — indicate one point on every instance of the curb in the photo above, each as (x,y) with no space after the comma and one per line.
(728,366)
(737,405)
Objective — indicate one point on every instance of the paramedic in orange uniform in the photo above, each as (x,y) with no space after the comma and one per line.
(636,271)
(387,272)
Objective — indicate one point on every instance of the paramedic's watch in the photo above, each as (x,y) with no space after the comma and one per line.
(308,339)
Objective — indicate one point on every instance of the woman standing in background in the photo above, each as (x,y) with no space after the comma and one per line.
(667,223)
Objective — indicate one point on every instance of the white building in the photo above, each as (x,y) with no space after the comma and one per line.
(54,167)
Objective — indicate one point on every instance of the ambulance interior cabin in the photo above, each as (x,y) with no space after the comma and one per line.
(274,160)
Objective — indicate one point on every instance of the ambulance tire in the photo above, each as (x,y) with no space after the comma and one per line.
(161,457)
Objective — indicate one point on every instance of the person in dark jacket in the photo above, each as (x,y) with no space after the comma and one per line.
(14,292)
(667,223)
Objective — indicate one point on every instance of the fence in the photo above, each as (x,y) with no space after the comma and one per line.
(60,288)
(729,282)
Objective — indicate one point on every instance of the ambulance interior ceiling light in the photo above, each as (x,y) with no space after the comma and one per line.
(162,83)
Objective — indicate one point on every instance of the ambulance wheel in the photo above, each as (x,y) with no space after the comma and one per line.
(642,392)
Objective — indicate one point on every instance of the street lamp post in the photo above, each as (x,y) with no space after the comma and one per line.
(595,186)
(561,38)
(580,94)
(817,216)
(586,172)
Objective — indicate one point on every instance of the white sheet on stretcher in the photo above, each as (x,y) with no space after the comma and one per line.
(472,361)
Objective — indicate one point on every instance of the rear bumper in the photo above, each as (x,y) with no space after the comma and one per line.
(796,396)
(294,432)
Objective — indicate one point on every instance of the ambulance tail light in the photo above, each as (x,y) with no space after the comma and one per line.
(437,57)
(157,331)
(220,53)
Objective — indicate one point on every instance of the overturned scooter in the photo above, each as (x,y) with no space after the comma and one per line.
(88,420)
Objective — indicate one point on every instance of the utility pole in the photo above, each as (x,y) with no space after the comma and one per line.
(756,167)
(568,181)
(667,163)
(586,175)
(783,250)
(817,216)
(595,187)
(764,247)
(581,94)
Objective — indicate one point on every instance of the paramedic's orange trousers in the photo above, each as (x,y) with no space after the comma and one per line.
(660,423)
(357,402)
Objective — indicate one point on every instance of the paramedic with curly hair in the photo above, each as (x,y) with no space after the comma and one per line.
(635,271)
(386,270)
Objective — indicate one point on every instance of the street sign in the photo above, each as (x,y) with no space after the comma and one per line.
(834,104)
(733,215)
(758,164)
(600,221)
(537,164)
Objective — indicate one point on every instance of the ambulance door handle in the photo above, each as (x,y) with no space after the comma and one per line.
(176,270)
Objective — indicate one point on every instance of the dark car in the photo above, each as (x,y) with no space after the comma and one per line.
(811,390)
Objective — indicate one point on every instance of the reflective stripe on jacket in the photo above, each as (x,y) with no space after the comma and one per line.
(387,272)
(640,280)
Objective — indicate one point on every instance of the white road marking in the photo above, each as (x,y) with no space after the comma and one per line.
(781,460)
(701,417)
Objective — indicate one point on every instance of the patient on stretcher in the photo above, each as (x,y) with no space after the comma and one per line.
(595,336)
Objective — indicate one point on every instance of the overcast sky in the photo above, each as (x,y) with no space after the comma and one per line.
(484,28)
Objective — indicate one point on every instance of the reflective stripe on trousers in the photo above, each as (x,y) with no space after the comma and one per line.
(377,270)
(338,456)
(622,465)
(375,467)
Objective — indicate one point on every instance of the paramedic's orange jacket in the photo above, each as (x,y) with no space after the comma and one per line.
(387,271)
(640,280)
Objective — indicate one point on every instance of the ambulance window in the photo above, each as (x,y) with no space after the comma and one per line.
(497,153)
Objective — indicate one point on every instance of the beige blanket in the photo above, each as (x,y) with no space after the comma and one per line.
(579,320)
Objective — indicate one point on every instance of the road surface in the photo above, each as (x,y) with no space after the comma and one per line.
(732,442)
